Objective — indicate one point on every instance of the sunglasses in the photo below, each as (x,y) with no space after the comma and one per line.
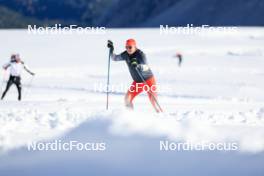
(129,47)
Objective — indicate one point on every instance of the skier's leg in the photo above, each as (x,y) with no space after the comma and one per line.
(8,85)
(152,92)
(128,100)
(152,96)
(19,87)
(180,61)
(132,92)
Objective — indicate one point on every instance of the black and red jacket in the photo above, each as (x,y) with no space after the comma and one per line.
(140,58)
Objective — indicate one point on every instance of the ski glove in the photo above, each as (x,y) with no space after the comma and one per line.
(134,63)
(110,45)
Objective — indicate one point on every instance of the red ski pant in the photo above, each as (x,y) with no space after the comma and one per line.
(136,88)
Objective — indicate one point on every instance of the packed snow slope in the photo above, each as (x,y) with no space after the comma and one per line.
(217,94)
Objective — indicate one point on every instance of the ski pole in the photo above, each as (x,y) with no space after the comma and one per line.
(108,80)
(155,99)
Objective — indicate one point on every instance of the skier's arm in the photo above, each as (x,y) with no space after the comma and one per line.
(117,57)
(143,65)
(6,66)
(114,57)
(27,69)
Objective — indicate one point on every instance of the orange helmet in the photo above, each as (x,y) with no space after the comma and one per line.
(131,42)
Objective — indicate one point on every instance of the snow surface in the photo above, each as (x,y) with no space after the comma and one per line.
(217,94)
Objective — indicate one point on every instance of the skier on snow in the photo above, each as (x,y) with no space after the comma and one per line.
(15,66)
(140,72)
(179,56)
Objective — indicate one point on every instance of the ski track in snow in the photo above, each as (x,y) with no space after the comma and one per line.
(20,126)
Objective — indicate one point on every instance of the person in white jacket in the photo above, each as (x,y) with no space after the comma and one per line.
(15,66)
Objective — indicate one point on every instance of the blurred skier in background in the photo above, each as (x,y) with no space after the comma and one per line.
(15,66)
(179,56)
(140,71)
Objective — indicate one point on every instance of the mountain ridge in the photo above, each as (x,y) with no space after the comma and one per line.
(131,13)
